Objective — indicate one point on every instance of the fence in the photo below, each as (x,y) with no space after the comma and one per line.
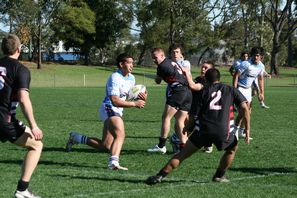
(99,80)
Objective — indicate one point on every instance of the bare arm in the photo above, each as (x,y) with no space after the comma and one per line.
(235,79)
(261,87)
(266,74)
(194,86)
(116,101)
(26,105)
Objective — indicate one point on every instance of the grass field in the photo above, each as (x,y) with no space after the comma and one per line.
(265,168)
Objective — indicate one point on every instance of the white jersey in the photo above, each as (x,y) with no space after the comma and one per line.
(249,72)
(236,64)
(184,64)
(117,85)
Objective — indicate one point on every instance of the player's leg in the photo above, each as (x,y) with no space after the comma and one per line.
(31,159)
(97,144)
(77,138)
(180,119)
(168,113)
(247,92)
(101,145)
(115,125)
(104,144)
(225,163)
(107,137)
(173,163)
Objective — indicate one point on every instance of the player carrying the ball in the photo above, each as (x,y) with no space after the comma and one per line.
(111,111)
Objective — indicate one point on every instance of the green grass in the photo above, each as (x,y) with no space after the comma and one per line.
(265,168)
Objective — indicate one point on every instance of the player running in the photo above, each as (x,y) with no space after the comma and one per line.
(214,124)
(178,98)
(176,142)
(111,111)
(245,75)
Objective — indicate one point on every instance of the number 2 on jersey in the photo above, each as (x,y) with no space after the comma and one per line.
(216,96)
(2,74)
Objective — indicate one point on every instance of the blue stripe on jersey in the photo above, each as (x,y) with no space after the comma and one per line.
(109,111)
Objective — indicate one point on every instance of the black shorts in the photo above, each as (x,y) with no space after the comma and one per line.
(11,131)
(179,97)
(200,139)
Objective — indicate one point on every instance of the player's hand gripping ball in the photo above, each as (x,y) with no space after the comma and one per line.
(134,92)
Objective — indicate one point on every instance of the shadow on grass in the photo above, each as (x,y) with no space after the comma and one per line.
(141,152)
(47,163)
(80,150)
(263,171)
(117,179)
(142,137)
(91,150)
(141,120)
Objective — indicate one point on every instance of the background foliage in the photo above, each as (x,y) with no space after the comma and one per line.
(100,29)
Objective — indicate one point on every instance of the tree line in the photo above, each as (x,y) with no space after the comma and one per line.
(100,29)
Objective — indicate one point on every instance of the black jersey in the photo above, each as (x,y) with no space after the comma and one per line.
(171,73)
(215,108)
(13,76)
(197,94)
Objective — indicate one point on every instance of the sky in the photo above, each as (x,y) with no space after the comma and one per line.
(3,28)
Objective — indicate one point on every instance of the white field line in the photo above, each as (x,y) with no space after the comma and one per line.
(186,183)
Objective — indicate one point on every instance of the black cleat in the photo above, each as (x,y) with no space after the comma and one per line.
(154,180)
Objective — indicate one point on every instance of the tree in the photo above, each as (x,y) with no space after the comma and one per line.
(276,15)
(75,26)
(162,23)
(91,26)
(30,22)
(112,21)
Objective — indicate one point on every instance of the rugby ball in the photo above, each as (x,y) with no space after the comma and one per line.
(134,92)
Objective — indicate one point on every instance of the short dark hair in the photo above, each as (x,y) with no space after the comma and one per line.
(212,75)
(10,44)
(243,53)
(122,58)
(257,50)
(176,46)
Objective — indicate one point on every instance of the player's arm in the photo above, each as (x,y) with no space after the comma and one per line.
(244,109)
(116,101)
(265,73)
(158,79)
(261,87)
(194,86)
(235,79)
(26,106)
(231,70)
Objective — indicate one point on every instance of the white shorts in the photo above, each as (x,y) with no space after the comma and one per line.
(246,92)
(107,111)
